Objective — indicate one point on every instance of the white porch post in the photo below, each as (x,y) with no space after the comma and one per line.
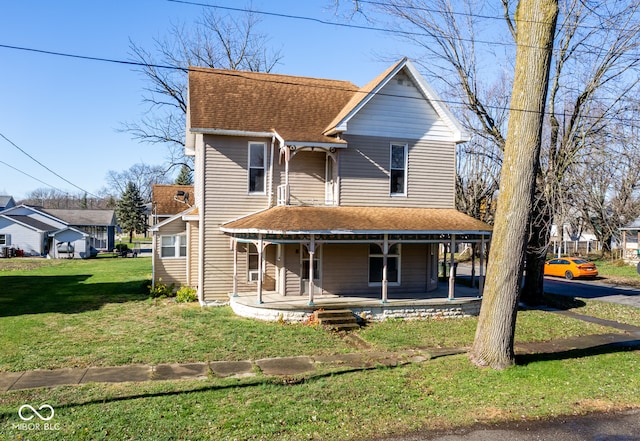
(259,246)
(481,276)
(235,267)
(385,280)
(312,251)
(452,293)
(473,264)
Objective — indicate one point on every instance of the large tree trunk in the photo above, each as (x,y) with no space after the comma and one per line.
(535,24)
(537,247)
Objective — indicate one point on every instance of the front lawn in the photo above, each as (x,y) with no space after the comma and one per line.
(57,314)
(97,313)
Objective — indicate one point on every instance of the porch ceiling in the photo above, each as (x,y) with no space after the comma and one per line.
(356,220)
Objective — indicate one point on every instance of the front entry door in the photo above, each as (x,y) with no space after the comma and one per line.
(304,270)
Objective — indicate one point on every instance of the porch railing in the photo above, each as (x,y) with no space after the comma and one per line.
(283,194)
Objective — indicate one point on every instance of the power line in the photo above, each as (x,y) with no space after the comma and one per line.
(33,177)
(45,167)
(331,23)
(87,57)
(214,71)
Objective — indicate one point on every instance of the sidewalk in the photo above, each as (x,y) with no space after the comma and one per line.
(305,365)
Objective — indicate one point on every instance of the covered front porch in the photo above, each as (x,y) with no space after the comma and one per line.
(433,304)
(375,260)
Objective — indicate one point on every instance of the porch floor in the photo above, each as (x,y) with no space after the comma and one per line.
(399,305)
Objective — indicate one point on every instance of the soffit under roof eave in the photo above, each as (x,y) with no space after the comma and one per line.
(248,133)
(226,132)
(349,232)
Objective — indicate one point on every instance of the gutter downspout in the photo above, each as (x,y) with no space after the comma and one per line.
(153,259)
(281,145)
(200,165)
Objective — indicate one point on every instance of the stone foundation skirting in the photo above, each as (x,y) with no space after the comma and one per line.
(371,311)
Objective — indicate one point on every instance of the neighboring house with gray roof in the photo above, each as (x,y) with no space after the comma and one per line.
(99,224)
(56,233)
(306,186)
(6,202)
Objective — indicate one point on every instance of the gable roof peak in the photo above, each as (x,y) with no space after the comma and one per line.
(367,92)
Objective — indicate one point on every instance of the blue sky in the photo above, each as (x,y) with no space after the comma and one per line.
(66,112)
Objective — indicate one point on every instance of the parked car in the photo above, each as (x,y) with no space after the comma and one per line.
(570,267)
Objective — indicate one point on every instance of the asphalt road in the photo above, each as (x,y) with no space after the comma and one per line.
(593,289)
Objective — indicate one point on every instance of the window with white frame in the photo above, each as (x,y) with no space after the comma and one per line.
(3,239)
(376,263)
(257,167)
(173,246)
(398,169)
(253,271)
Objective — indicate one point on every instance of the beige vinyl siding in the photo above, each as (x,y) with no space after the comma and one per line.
(193,254)
(413,267)
(307,178)
(400,110)
(170,270)
(292,269)
(364,173)
(226,197)
(346,269)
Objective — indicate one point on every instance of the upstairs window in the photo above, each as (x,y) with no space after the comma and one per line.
(257,167)
(398,169)
(173,246)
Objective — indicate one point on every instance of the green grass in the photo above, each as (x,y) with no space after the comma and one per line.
(617,271)
(96,313)
(438,394)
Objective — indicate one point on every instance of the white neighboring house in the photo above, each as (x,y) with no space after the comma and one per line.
(26,228)
(631,242)
(567,242)
(30,231)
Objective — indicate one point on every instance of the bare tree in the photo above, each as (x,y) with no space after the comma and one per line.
(606,182)
(52,198)
(214,41)
(143,176)
(593,74)
(595,65)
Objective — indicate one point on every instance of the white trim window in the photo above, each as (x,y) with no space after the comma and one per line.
(173,246)
(376,264)
(257,167)
(4,239)
(252,263)
(398,169)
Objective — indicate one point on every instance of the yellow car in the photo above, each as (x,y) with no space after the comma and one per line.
(570,267)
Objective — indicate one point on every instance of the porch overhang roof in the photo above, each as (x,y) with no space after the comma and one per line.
(299,220)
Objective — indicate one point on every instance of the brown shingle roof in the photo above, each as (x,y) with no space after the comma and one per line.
(162,197)
(295,219)
(298,108)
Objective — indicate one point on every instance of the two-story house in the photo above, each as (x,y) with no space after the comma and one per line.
(310,187)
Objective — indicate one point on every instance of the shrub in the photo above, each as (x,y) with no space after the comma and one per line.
(161,290)
(186,294)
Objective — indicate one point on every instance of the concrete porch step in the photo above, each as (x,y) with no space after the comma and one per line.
(337,319)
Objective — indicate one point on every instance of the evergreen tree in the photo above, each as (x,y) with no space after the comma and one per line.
(130,211)
(185,177)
